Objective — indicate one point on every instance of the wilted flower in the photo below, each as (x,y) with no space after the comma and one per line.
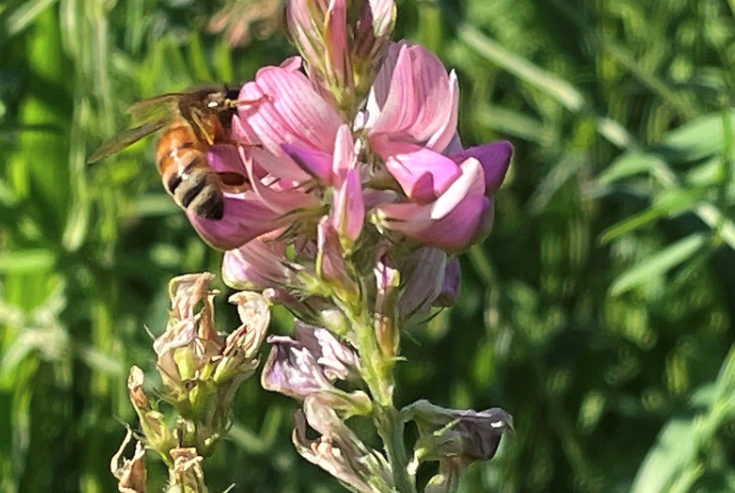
(239,356)
(158,435)
(339,451)
(201,369)
(131,474)
(309,365)
(460,436)
(190,343)
(186,475)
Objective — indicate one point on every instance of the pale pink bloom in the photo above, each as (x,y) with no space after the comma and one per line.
(411,111)
(260,206)
(309,365)
(300,154)
(459,217)
(258,265)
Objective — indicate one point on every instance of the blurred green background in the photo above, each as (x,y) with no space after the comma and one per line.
(598,312)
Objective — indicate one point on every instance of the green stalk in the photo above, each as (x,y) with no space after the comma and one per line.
(390,429)
(380,380)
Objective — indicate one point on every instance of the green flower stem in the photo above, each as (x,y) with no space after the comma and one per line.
(378,375)
(390,429)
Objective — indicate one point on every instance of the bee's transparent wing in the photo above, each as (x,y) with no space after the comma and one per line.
(125,139)
(165,106)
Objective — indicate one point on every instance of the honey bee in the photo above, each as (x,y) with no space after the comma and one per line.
(191,123)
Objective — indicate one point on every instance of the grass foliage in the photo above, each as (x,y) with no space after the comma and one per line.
(598,312)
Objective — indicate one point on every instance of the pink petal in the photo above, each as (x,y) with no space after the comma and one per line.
(348,213)
(256,266)
(495,159)
(278,200)
(423,174)
(461,216)
(245,218)
(337,57)
(414,99)
(317,163)
(292,112)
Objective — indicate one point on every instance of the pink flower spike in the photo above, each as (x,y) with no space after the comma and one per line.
(495,159)
(460,217)
(423,174)
(414,99)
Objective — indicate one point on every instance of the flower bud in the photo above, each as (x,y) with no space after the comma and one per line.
(446,480)
(450,285)
(348,206)
(342,42)
(331,264)
(387,278)
(461,436)
(157,434)
(423,275)
(372,38)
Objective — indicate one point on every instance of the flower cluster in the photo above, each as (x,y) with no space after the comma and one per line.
(358,195)
(201,370)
